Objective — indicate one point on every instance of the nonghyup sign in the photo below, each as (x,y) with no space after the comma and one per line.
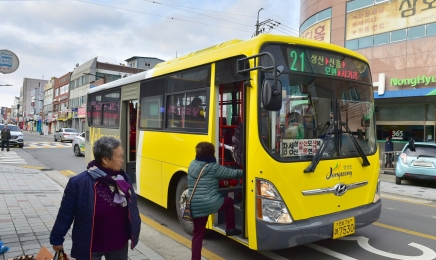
(8,62)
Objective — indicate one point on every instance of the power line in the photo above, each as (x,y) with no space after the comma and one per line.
(182,8)
(135,11)
(155,2)
(168,17)
(282,19)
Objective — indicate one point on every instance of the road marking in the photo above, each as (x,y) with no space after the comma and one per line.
(70,172)
(34,167)
(28,145)
(412,201)
(271,255)
(330,252)
(67,173)
(11,157)
(411,232)
(182,240)
(427,253)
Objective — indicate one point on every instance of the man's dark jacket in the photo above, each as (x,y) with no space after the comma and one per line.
(78,205)
(5,134)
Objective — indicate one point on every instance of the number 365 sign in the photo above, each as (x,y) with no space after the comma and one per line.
(397,134)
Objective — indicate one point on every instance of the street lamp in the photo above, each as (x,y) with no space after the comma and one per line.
(7,85)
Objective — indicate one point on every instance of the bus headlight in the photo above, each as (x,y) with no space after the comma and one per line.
(270,205)
(377,192)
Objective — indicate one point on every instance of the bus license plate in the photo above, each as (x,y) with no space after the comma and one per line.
(343,227)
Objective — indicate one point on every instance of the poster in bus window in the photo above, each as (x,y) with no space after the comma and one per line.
(299,147)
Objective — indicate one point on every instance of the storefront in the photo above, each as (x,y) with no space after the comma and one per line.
(81,113)
(404,115)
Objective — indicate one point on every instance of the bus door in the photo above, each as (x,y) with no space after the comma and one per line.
(231,149)
(130,145)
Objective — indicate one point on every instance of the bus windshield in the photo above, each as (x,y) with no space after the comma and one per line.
(317,110)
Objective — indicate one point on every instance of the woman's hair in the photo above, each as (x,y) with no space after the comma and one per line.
(204,150)
(103,148)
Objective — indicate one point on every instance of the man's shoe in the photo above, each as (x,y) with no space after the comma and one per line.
(8,150)
(2,150)
(233,232)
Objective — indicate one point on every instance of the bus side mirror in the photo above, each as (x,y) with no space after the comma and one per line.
(272,94)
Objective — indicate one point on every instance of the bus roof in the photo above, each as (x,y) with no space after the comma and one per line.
(122,81)
(226,49)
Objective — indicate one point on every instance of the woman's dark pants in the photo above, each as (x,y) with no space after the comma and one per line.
(200,226)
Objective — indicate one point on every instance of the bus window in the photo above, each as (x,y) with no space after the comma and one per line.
(187,110)
(151,112)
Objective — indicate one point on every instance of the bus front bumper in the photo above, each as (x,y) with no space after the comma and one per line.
(279,236)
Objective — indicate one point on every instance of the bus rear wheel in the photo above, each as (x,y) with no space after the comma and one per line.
(181,199)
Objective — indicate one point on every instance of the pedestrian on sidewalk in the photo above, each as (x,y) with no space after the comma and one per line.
(103,206)
(5,136)
(389,151)
(207,198)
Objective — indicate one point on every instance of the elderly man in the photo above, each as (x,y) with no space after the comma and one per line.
(5,136)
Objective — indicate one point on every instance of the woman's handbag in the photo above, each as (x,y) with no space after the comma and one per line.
(186,213)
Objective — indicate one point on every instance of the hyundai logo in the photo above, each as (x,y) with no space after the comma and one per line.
(340,189)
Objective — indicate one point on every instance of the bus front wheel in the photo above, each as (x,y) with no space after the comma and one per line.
(181,199)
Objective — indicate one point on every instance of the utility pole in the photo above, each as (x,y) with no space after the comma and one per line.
(257,23)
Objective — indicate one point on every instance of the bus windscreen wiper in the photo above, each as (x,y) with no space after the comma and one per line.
(328,131)
(356,144)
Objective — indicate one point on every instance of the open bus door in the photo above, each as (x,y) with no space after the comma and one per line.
(130,145)
(231,150)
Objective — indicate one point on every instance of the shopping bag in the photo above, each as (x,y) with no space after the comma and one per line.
(186,214)
(60,255)
(44,254)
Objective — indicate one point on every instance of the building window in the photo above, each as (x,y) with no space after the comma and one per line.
(431,29)
(365,42)
(324,14)
(399,35)
(358,4)
(416,32)
(381,38)
(352,44)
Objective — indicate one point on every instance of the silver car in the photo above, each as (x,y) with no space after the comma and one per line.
(17,137)
(65,134)
(79,145)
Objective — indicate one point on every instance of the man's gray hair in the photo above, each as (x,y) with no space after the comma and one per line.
(103,148)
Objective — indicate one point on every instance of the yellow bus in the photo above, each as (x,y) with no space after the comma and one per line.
(296,115)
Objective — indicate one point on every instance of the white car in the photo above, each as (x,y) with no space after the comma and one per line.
(17,137)
(65,134)
(79,145)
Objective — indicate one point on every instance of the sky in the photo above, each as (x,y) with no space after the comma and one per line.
(50,37)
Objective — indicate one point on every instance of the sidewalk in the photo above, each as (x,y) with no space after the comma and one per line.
(29,203)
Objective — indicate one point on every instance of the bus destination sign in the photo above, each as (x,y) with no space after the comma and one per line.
(326,63)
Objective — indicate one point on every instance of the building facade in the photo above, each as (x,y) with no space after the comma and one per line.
(398,37)
(60,101)
(86,76)
(31,96)
(144,63)
(48,119)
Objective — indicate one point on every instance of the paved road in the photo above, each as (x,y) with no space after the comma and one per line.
(405,230)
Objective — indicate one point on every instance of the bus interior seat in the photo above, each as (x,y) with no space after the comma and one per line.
(236,120)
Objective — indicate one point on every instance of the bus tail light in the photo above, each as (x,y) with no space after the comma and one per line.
(377,193)
(403,157)
(270,205)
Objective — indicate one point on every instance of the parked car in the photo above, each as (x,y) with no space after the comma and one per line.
(66,134)
(79,145)
(17,137)
(418,163)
